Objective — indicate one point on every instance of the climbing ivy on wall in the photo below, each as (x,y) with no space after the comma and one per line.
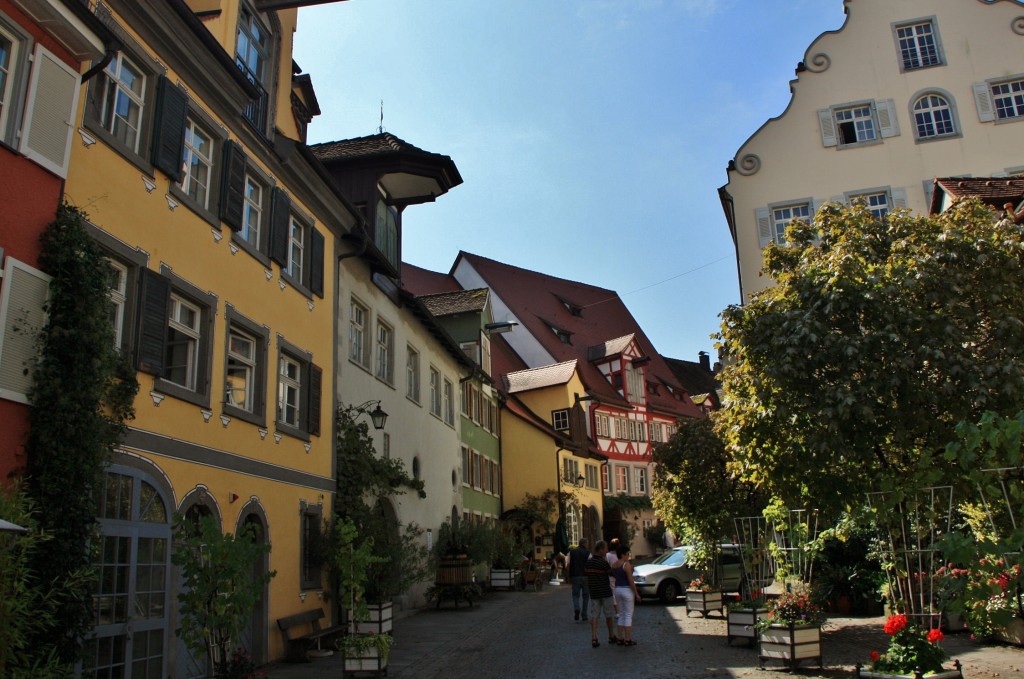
(81,397)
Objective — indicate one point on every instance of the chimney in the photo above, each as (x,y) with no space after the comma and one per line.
(705,360)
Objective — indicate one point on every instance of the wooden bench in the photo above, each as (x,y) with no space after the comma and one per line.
(298,645)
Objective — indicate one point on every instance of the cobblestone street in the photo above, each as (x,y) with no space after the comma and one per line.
(521,635)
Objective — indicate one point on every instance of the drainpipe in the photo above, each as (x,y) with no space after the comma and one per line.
(112,50)
(362,245)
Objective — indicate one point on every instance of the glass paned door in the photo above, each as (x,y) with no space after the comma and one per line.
(130,598)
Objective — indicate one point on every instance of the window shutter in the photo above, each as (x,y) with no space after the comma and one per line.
(280,211)
(155,297)
(232,186)
(888,123)
(899,198)
(929,189)
(22,316)
(169,128)
(316,378)
(50,113)
(316,263)
(983,100)
(764,226)
(828,127)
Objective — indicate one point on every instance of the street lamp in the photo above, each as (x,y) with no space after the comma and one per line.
(377,416)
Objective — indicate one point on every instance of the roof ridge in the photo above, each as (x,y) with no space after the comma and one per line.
(470,255)
(544,367)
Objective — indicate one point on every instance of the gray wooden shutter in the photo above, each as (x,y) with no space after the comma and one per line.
(888,123)
(50,114)
(764,226)
(316,262)
(22,316)
(280,214)
(154,300)
(828,127)
(232,186)
(314,399)
(983,100)
(169,128)
(899,198)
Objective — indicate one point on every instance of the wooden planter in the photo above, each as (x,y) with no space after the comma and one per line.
(454,571)
(504,578)
(1013,633)
(740,623)
(956,673)
(703,602)
(379,622)
(366,661)
(789,643)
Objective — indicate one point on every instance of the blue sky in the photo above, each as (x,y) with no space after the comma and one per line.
(591,135)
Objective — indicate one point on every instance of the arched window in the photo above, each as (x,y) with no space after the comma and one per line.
(933,116)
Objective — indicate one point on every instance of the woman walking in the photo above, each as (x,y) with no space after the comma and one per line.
(626,595)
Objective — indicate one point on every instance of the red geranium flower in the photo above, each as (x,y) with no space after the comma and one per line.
(935,636)
(895,623)
(874,656)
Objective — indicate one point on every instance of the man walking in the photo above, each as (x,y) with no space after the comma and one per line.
(598,571)
(576,567)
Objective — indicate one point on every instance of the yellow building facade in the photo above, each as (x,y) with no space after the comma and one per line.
(221,230)
(537,458)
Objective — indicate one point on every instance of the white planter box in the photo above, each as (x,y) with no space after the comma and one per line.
(702,602)
(945,674)
(740,623)
(790,644)
(379,621)
(504,578)
(367,661)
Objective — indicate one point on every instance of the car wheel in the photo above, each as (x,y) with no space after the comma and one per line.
(668,592)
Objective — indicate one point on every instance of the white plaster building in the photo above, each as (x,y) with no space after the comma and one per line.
(905,91)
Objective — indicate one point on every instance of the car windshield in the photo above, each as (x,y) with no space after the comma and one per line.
(677,557)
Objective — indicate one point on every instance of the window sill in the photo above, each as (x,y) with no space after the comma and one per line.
(250,248)
(1014,119)
(365,368)
(302,289)
(859,144)
(259,420)
(913,69)
(114,144)
(413,400)
(181,393)
(937,137)
(193,206)
(387,383)
(294,432)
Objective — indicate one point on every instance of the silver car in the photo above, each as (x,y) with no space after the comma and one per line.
(669,575)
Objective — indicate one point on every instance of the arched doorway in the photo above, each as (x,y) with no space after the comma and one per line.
(131,600)
(255,635)
(197,505)
(591,525)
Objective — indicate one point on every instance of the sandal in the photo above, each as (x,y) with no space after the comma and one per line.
(629,643)
(595,643)
(612,641)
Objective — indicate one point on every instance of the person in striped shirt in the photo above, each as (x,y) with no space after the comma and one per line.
(598,572)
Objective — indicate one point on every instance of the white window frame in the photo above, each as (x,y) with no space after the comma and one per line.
(622,480)
(289,385)
(560,419)
(190,185)
(881,115)
(296,248)
(112,80)
(435,392)
(640,480)
(252,210)
(449,401)
(118,295)
(358,319)
(11,73)
(20,327)
(244,365)
(385,343)
(926,116)
(590,471)
(778,217)
(412,374)
(911,44)
(193,337)
(877,202)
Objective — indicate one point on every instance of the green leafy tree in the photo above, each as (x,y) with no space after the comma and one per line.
(82,395)
(695,491)
(851,373)
(219,591)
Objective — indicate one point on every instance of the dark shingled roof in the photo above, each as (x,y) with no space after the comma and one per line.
(375,145)
(694,378)
(448,303)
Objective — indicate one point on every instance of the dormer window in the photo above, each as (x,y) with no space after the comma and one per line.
(252,55)
(574,309)
(385,233)
(564,336)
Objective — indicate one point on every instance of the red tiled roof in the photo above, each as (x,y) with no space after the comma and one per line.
(994,191)
(425,282)
(538,300)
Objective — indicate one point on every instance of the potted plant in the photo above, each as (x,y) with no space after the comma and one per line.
(791,630)
(912,653)
(401,561)
(366,652)
(507,557)
(741,618)
(703,596)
